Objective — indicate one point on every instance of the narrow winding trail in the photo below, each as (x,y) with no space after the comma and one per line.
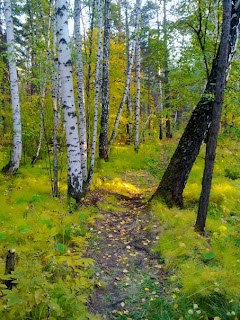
(128,273)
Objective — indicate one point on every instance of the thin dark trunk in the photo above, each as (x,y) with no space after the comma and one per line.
(166,70)
(216,117)
(175,177)
(89,73)
(103,138)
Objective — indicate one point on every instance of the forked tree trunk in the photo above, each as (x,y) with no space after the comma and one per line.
(75,181)
(216,117)
(13,165)
(97,91)
(103,138)
(175,177)
(80,90)
(138,74)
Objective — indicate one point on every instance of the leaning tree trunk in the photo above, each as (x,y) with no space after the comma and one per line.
(127,84)
(216,117)
(80,89)
(75,180)
(138,74)
(103,138)
(96,97)
(13,165)
(175,177)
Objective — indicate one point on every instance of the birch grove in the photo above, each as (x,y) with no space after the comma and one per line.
(13,165)
(138,75)
(80,88)
(75,179)
(97,92)
(128,79)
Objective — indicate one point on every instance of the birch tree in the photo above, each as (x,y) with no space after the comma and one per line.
(128,79)
(97,91)
(55,81)
(13,165)
(138,74)
(80,89)
(129,98)
(103,138)
(44,85)
(75,180)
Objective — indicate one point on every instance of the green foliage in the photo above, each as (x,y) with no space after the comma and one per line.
(203,268)
(52,276)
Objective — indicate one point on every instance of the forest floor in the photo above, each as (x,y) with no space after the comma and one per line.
(127,271)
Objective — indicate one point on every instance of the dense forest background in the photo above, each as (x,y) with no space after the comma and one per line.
(110,112)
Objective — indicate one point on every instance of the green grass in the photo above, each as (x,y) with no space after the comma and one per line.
(47,234)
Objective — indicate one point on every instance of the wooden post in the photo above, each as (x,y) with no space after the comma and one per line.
(10,266)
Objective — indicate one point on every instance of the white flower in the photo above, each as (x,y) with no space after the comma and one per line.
(190,311)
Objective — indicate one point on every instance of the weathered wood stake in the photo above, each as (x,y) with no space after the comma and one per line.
(10,266)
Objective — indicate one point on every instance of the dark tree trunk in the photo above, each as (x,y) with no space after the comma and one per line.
(103,137)
(216,117)
(89,72)
(175,177)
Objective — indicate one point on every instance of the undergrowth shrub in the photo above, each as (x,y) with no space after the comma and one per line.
(52,277)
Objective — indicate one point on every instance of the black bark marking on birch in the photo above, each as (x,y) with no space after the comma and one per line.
(68,63)
(63,41)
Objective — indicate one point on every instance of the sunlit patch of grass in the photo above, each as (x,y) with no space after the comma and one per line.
(50,239)
(204,267)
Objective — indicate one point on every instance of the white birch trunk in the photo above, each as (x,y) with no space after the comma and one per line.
(128,80)
(97,90)
(129,98)
(44,86)
(126,89)
(75,180)
(13,165)
(138,74)
(80,89)
(55,81)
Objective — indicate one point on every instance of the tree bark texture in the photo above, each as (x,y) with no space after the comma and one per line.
(138,76)
(13,165)
(75,180)
(103,138)
(80,89)
(175,177)
(216,117)
(97,91)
